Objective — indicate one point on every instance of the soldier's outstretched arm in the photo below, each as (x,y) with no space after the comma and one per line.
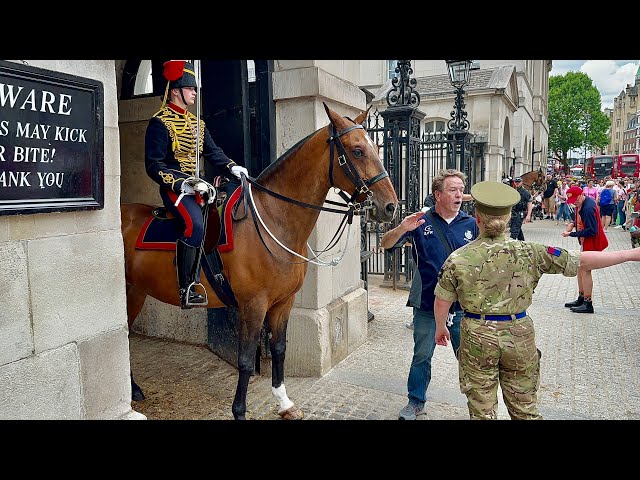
(594,260)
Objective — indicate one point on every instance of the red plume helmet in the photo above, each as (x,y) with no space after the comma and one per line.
(173,69)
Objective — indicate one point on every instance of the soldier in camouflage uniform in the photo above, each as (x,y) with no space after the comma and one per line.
(494,278)
(170,161)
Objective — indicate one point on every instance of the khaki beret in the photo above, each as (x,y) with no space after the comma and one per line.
(494,198)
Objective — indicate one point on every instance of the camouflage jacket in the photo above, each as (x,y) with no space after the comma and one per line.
(499,275)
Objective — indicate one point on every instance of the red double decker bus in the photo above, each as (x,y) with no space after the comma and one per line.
(598,167)
(626,165)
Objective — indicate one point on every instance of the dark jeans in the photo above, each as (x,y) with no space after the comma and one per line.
(515,227)
(424,343)
(621,213)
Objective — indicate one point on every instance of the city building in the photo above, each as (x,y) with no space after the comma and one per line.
(625,108)
(506,102)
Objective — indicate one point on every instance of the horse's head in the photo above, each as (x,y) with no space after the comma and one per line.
(357,167)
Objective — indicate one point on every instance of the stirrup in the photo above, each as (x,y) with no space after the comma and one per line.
(190,290)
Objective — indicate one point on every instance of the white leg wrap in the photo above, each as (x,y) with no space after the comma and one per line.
(281,395)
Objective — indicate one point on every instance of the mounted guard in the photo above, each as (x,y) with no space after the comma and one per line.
(174,140)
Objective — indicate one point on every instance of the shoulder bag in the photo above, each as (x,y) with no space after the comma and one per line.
(449,249)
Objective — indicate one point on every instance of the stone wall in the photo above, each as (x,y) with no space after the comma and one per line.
(63,329)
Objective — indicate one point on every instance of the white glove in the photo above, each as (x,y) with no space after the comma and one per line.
(206,190)
(186,188)
(236,169)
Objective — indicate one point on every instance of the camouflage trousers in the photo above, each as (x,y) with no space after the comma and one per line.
(503,352)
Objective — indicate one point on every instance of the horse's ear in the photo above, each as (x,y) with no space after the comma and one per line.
(335,119)
(361,119)
(329,112)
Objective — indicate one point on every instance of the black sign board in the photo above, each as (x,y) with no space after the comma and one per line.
(51,141)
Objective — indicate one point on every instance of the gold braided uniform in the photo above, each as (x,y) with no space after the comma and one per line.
(170,148)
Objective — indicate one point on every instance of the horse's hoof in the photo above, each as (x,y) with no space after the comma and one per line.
(293,413)
(137,396)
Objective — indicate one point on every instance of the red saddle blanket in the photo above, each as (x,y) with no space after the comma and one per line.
(161,233)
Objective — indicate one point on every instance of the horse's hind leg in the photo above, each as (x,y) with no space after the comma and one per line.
(278,318)
(250,324)
(135,302)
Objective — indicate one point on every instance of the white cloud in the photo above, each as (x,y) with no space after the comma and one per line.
(610,77)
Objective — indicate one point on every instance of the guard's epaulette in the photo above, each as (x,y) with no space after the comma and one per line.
(166,111)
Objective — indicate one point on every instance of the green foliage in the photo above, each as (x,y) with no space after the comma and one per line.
(571,98)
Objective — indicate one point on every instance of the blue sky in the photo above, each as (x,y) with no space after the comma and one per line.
(610,77)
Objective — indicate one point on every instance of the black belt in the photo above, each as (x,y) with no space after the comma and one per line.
(495,317)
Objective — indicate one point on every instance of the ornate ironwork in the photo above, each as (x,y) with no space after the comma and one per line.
(459,122)
(432,157)
(403,91)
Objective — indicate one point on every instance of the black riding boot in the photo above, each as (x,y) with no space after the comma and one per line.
(586,307)
(575,303)
(188,267)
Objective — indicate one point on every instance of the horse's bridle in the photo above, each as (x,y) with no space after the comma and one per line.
(349,169)
(361,187)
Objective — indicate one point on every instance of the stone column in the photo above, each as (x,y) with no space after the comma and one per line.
(329,319)
(64,350)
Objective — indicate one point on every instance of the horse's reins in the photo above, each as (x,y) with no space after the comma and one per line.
(361,187)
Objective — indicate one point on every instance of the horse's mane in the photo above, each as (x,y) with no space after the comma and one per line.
(276,165)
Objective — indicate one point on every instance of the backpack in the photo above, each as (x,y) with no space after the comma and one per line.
(605,196)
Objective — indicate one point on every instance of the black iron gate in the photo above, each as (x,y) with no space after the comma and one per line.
(434,155)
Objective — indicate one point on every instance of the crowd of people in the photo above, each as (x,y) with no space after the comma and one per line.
(616,199)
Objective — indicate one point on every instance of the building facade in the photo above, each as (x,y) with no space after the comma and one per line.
(506,102)
(625,109)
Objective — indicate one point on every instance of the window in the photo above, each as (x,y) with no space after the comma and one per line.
(251,70)
(391,68)
(435,126)
(144,79)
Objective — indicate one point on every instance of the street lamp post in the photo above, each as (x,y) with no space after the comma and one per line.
(458,125)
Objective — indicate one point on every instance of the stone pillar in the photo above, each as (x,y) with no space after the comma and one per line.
(329,319)
(64,350)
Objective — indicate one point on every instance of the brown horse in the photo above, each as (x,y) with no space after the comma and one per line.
(265,276)
(533,180)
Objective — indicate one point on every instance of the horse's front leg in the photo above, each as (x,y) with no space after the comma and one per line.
(278,318)
(250,324)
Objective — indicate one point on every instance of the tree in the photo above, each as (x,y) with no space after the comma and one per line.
(575,116)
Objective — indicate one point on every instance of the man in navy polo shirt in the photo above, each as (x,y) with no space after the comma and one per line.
(434,234)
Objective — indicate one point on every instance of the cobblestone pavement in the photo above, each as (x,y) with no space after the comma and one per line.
(590,367)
